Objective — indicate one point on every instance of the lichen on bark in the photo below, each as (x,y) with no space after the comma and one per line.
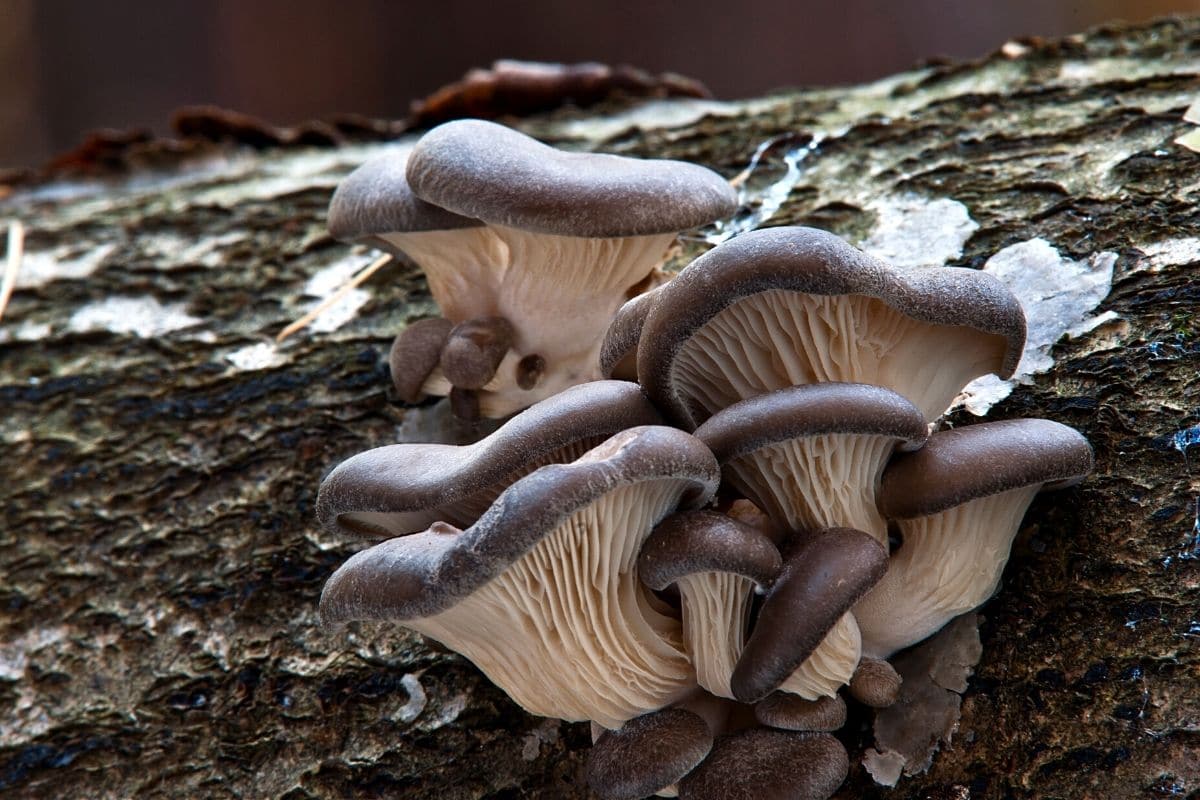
(161,566)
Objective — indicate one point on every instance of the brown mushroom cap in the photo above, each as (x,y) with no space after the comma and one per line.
(959,502)
(694,542)
(784,306)
(875,683)
(618,351)
(647,754)
(402,488)
(547,578)
(375,198)
(415,353)
(764,764)
(963,464)
(821,579)
(499,175)
(791,713)
(714,563)
(811,455)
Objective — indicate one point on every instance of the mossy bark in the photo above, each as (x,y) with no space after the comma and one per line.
(161,566)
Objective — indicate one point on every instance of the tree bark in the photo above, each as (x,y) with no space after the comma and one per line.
(161,565)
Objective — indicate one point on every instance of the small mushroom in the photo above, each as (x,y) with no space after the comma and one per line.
(787,306)
(551,241)
(541,593)
(415,353)
(473,350)
(959,502)
(811,456)
(791,713)
(715,562)
(876,683)
(822,577)
(764,764)
(401,488)
(647,754)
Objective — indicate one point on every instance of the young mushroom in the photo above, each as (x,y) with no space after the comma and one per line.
(401,488)
(541,593)
(715,563)
(764,764)
(552,242)
(823,576)
(782,307)
(648,754)
(959,502)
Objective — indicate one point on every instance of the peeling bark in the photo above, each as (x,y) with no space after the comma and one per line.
(161,566)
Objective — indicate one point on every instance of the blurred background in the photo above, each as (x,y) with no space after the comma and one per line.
(70,66)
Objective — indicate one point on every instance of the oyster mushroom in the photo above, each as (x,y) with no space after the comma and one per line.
(810,456)
(550,241)
(648,754)
(959,502)
(764,764)
(823,576)
(782,307)
(715,563)
(401,488)
(541,593)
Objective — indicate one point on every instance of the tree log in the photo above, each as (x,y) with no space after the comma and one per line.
(161,564)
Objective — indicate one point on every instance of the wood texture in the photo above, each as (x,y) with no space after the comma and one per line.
(161,567)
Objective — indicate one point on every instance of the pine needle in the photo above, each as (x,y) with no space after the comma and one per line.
(343,290)
(16,251)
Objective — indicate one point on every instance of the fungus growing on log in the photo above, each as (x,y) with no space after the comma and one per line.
(715,563)
(959,502)
(401,488)
(546,578)
(551,242)
(781,307)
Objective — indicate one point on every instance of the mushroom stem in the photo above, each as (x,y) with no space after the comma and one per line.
(947,564)
(558,292)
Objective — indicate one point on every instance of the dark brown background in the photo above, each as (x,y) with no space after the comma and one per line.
(69,66)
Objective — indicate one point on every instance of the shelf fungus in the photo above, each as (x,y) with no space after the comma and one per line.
(787,306)
(541,592)
(532,248)
(578,555)
(959,502)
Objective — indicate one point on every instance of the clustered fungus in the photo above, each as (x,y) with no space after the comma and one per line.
(528,251)
(706,554)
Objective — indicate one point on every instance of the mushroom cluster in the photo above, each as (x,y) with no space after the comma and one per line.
(528,251)
(751,513)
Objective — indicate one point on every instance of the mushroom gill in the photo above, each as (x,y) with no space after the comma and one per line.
(541,593)
(786,306)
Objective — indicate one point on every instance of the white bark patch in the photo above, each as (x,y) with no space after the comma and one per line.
(172,251)
(1169,252)
(263,355)
(915,232)
(144,317)
(416,702)
(1058,295)
(14,654)
(40,267)
(327,281)
(757,200)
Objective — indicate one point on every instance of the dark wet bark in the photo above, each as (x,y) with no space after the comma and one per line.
(160,565)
